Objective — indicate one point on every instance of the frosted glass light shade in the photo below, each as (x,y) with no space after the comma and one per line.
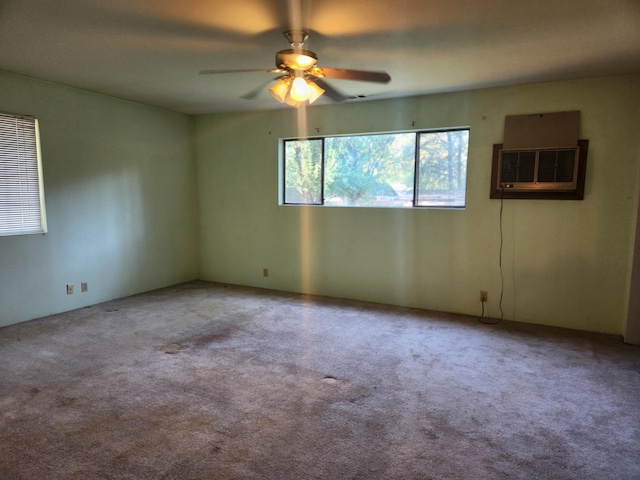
(280,89)
(314,92)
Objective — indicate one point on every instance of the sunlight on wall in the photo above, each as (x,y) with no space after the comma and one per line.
(307,246)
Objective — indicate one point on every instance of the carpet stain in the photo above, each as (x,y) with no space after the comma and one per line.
(207,338)
(33,392)
(66,401)
(16,405)
(430,433)
(172,348)
(200,340)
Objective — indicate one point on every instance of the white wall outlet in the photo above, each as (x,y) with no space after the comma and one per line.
(84,287)
(69,289)
(265,272)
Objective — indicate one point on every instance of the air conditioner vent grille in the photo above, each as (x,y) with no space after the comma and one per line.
(518,166)
(552,169)
(556,165)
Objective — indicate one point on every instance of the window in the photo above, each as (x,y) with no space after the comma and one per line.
(21,189)
(407,169)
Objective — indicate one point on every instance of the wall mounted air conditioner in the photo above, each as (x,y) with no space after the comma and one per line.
(541,158)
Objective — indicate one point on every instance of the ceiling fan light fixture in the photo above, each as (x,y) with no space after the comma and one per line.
(316,72)
(295,59)
(280,89)
(299,90)
(296,37)
(314,91)
(305,61)
(290,101)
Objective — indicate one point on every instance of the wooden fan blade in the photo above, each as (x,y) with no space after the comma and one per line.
(361,75)
(214,72)
(331,92)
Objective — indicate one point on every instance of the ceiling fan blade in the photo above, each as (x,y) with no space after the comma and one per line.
(361,75)
(214,72)
(251,94)
(331,92)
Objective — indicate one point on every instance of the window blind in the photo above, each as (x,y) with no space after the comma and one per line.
(21,188)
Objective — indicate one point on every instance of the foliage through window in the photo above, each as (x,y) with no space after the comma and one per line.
(415,169)
(21,191)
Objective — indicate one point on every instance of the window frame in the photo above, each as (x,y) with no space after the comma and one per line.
(284,170)
(30,173)
(416,168)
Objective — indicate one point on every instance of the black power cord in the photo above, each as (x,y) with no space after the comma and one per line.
(480,319)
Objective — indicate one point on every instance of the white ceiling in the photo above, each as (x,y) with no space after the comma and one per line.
(151,51)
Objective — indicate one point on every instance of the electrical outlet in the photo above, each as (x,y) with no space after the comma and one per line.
(84,287)
(265,272)
(483,296)
(69,289)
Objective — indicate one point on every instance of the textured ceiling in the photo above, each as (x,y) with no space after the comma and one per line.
(151,51)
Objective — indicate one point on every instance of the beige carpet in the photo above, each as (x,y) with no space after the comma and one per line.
(204,381)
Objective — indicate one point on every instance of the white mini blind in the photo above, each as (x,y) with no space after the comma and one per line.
(21,187)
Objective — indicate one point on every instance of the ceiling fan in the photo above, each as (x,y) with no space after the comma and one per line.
(301,80)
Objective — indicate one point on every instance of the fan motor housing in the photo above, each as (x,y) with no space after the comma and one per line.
(296,59)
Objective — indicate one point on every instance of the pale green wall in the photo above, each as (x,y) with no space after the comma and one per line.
(566,263)
(121,183)
(119,187)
